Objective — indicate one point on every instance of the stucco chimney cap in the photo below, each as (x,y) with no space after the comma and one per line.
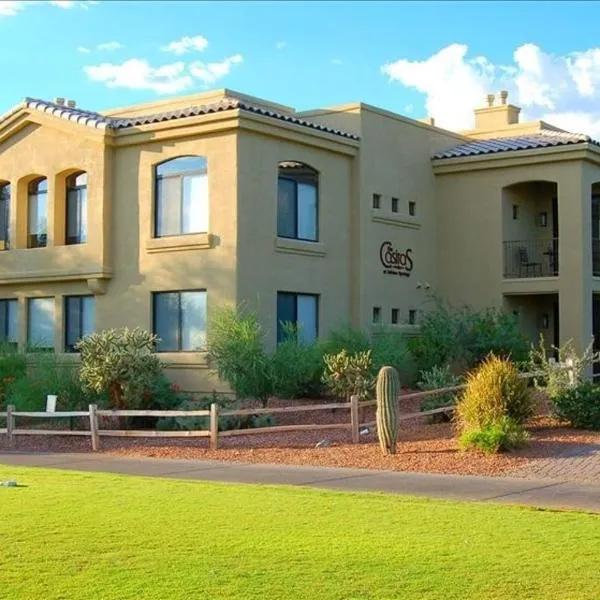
(71,103)
(503,96)
(490,99)
(60,101)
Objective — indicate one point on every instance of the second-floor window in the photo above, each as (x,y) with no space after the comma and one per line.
(297,201)
(8,321)
(4,215)
(79,319)
(181,196)
(37,214)
(76,209)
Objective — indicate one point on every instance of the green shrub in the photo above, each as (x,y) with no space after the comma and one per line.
(13,367)
(390,349)
(464,337)
(236,349)
(496,436)
(580,406)
(120,362)
(348,374)
(435,379)
(555,381)
(344,337)
(494,390)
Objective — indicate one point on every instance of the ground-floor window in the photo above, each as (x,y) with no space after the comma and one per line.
(40,323)
(80,317)
(8,321)
(179,320)
(301,310)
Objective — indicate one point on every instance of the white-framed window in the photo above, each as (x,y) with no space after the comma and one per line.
(181,196)
(301,311)
(80,319)
(297,201)
(179,320)
(40,323)
(9,321)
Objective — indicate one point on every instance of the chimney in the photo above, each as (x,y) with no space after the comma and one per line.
(71,103)
(59,101)
(496,116)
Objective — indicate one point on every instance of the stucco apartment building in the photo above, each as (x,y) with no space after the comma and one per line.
(152,215)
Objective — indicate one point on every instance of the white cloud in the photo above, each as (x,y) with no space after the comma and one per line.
(211,72)
(9,8)
(83,49)
(186,44)
(109,46)
(561,89)
(336,61)
(280,45)
(137,74)
(63,3)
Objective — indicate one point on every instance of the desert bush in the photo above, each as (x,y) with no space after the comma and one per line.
(495,436)
(120,362)
(555,381)
(348,374)
(435,379)
(236,349)
(494,390)
(344,337)
(464,337)
(390,349)
(579,405)
(13,367)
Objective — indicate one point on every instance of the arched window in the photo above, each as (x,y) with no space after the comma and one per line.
(181,197)
(297,201)
(37,214)
(4,215)
(76,225)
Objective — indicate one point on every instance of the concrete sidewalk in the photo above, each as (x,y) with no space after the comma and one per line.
(532,492)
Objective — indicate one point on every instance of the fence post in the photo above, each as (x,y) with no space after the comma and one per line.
(214,426)
(10,424)
(94,428)
(354,420)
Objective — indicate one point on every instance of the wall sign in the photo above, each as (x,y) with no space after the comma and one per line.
(395,262)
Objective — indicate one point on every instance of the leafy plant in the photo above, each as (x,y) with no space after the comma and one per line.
(390,348)
(13,367)
(494,390)
(553,379)
(495,436)
(348,374)
(435,379)
(121,362)
(236,349)
(344,337)
(580,406)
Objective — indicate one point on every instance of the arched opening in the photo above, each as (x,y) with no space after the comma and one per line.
(181,196)
(37,213)
(4,215)
(76,208)
(297,201)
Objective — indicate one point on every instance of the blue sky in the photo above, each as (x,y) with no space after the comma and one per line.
(414,58)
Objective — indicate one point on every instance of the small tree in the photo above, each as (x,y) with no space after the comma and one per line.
(236,349)
(349,375)
(120,362)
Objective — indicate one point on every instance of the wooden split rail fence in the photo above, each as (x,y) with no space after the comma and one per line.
(213,433)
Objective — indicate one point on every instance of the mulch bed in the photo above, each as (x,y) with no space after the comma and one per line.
(422,447)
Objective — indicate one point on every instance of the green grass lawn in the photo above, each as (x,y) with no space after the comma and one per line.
(95,536)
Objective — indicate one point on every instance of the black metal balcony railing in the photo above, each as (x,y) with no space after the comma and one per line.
(531,258)
(596,257)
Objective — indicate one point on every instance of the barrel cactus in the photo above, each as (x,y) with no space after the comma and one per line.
(388,386)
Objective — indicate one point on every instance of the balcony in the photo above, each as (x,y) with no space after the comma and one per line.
(525,259)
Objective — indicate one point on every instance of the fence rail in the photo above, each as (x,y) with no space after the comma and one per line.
(354,407)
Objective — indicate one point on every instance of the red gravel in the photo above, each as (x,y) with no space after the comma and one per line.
(423,447)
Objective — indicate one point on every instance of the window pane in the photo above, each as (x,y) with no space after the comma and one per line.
(72,322)
(77,216)
(37,219)
(166,321)
(193,321)
(307,211)
(11,320)
(195,204)
(183,164)
(40,326)
(307,318)
(88,319)
(4,214)
(286,208)
(286,312)
(168,206)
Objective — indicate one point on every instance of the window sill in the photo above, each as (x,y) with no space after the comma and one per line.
(304,248)
(397,220)
(177,243)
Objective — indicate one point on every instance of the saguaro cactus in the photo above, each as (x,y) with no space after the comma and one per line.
(388,386)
